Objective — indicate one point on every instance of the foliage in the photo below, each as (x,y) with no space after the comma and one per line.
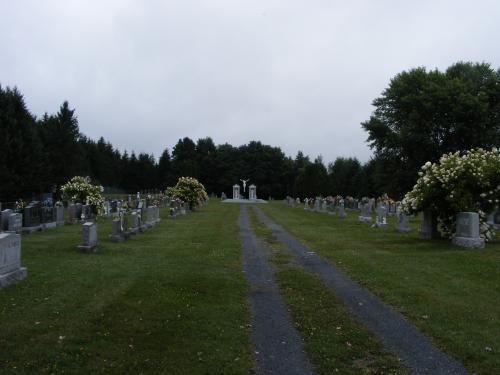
(460,182)
(425,114)
(190,190)
(80,189)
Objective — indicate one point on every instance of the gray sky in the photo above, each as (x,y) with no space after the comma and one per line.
(296,74)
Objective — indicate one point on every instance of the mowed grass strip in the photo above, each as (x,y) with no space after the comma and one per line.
(333,339)
(169,301)
(452,295)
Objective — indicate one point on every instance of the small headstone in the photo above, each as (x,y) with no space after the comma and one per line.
(467,231)
(72,217)
(11,270)
(223,196)
(31,219)
(89,238)
(135,222)
(15,224)
(366,212)
(402,222)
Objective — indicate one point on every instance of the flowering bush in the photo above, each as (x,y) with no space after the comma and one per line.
(19,205)
(188,189)
(468,181)
(79,189)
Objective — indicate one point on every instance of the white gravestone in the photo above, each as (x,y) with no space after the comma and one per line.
(342,214)
(467,231)
(402,221)
(10,260)
(252,192)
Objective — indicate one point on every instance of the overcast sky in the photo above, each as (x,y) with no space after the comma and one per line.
(296,74)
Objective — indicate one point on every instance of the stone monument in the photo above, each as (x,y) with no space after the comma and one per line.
(89,238)
(11,270)
(236,191)
(467,231)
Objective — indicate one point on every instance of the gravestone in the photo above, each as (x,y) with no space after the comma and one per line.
(48,218)
(381,219)
(117,231)
(72,216)
(223,196)
(4,223)
(15,224)
(428,226)
(135,222)
(31,219)
(11,270)
(306,204)
(86,214)
(79,209)
(89,238)
(59,215)
(236,191)
(402,220)
(366,212)
(324,206)
(342,214)
(252,192)
(467,231)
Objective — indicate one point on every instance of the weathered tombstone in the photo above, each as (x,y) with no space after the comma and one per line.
(236,191)
(15,224)
(117,234)
(306,204)
(381,219)
(59,215)
(223,196)
(11,270)
(402,220)
(151,216)
(31,219)
(89,238)
(252,192)
(342,214)
(467,231)
(4,223)
(428,226)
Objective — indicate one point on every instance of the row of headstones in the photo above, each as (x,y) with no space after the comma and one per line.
(34,217)
(320,204)
(467,232)
(123,227)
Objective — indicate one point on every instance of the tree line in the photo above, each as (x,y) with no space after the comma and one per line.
(421,115)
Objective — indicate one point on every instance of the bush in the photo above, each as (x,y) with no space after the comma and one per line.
(80,189)
(188,189)
(461,181)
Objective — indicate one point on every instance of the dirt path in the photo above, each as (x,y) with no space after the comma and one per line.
(278,346)
(396,333)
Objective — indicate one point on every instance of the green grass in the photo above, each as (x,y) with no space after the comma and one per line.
(451,294)
(333,340)
(169,301)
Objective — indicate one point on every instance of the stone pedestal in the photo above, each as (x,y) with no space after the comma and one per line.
(10,260)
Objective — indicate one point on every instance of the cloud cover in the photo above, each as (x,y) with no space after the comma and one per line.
(296,74)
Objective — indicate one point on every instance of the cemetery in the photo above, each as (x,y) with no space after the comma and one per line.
(337,213)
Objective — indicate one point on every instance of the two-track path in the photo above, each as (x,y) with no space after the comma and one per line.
(395,332)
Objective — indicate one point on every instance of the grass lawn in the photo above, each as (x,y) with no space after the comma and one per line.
(169,301)
(333,339)
(451,294)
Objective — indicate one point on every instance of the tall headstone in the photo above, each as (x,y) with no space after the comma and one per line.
(135,223)
(89,238)
(236,191)
(117,234)
(467,231)
(381,219)
(11,270)
(59,215)
(342,214)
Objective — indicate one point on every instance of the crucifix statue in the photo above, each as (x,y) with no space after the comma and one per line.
(244,184)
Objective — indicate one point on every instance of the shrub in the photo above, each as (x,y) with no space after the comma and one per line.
(188,189)
(461,181)
(80,189)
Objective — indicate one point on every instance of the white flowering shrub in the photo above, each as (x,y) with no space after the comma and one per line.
(80,189)
(460,182)
(188,189)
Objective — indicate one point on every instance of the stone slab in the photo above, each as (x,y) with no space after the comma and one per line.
(468,243)
(13,277)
